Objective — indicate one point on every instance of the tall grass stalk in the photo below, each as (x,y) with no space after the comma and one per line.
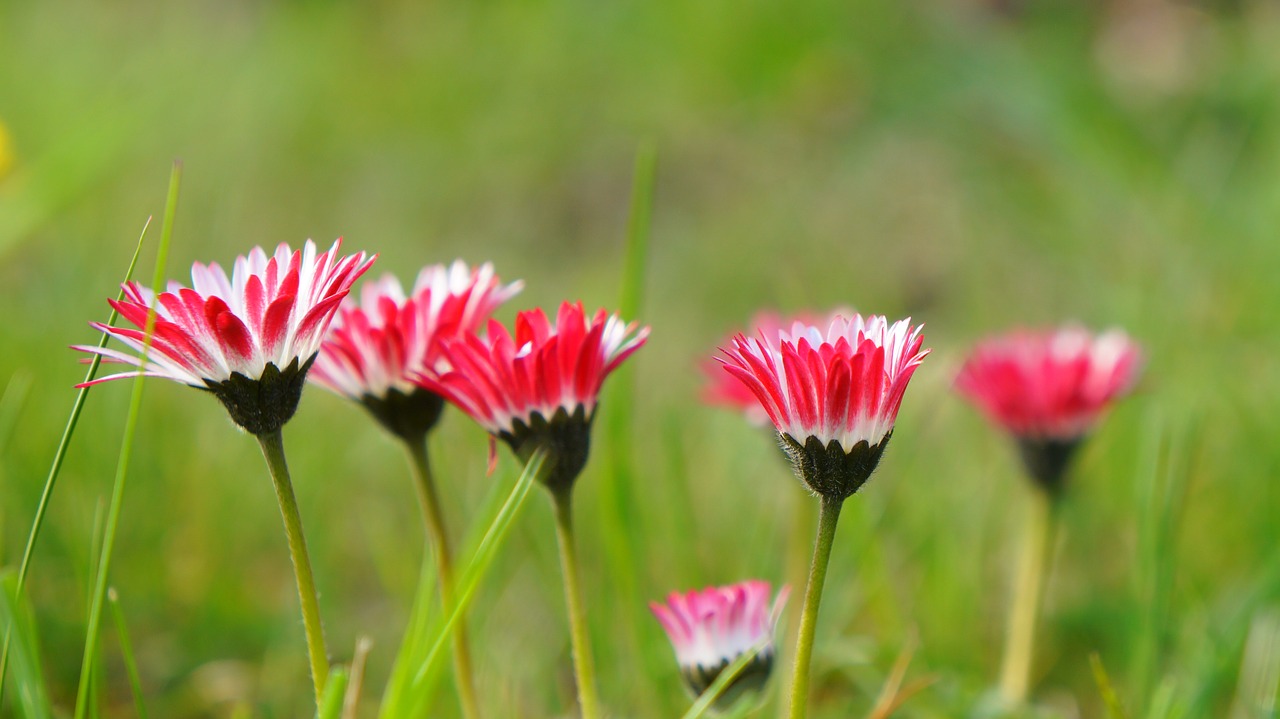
(273,451)
(827,519)
(103,568)
(126,653)
(31,698)
(60,453)
(1028,595)
(621,529)
(438,536)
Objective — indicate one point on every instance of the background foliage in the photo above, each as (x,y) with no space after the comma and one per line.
(976,165)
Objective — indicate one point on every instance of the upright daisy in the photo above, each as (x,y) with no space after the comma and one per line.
(537,391)
(833,395)
(249,339)
(373,353)
(1047,389)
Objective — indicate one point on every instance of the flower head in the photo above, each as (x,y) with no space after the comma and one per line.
(376,348)
(711,628)
(833,396)
(1049,388)
(248,338)
(540,387)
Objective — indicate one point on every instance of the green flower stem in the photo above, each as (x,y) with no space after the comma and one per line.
(273,450)
(429,499)
(1028,595)
(583,664)
(827,518)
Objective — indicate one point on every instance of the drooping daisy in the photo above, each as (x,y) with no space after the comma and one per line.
(709,629)
(1048,389)
(833,394)
(376,348)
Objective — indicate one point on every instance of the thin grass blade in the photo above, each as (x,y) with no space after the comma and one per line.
(126,652)
(722,682)
(64,444)
(335,693)
(31,699)
(122,465)
(418,663)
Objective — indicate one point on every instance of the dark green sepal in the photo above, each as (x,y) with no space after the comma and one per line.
(566,439)
(1046,460)
(263,405)
(829,470)
(407,416)
(750,680)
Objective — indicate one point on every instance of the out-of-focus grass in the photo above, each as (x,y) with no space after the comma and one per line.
(975,165)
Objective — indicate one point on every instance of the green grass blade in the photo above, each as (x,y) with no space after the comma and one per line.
(126,652)
(32,699)
(122,466)
(64,444)
(1115,710)
(722,682)
(418,664)
(335,693)
(622,532)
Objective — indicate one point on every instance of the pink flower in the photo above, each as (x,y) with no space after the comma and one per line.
(248,338)
(1048,389)
(833,396)
(1049,384)
(540,387)
(375,349)
(711,628)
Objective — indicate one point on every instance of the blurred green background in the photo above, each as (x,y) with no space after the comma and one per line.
(976,164)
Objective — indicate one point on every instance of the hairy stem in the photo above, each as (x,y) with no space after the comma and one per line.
(273,450)
(827,518)
(583,664)
(1028,595)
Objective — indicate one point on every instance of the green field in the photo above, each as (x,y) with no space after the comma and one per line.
(974,164)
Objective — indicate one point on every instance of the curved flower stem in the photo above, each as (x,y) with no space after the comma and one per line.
(583,664)
(827,519)
(429,499)
(1028,594)
(273,450)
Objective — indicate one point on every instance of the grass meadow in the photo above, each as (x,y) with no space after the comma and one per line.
(977,165)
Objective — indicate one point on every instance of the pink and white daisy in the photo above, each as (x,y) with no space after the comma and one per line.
(376,348)
(540,387)
(1049,388)
(711,628)
(249,338)
(832,395)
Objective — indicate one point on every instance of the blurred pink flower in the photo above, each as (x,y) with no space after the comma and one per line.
(1049,384)
(711,628)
